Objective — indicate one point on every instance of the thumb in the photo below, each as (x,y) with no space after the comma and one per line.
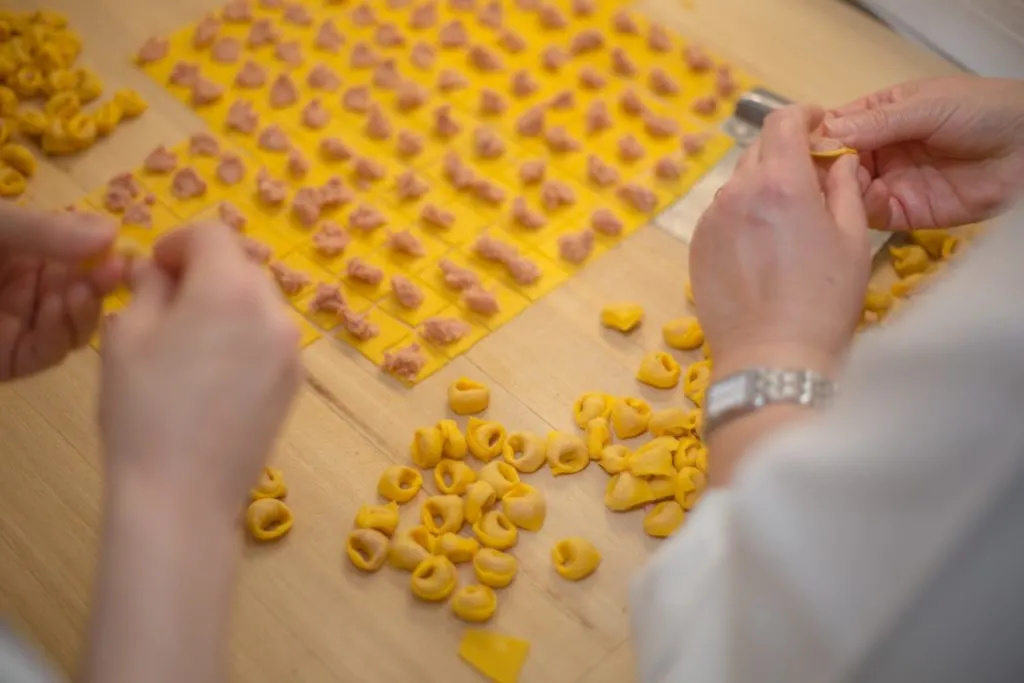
(65,236)
(844,198)
(870,129)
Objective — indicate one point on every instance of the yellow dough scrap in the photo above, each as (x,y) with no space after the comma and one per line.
(696,381)
(654,458)
(479,498)
(691,453)
(499,658)
(453,476)
(525,451)
(399,483)
(426,447)
(906,286)
(443,514)
(367,549)
(690,484)
(457,548)
(131,103)
(382,518)
(615,459)
(19,158)
(453,441)
(590,405)
(567,454)
(630,416)
(486,440)
(500,475)
(950,246)
(669,422)
(575,558)
(468,397)
(496,530)
(624,317)
(410,547)
(474,603)
(268,519)
(434,579)
(599,435)
(270,485)
(877,302)
(494,568)
(659,370)
(930,240)
(525,507)
(625,492)
(909,260)
(684,334)
(664,518)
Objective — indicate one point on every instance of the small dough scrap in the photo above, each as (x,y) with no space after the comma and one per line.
(486,440)
(576,247)
(525,451)
(630,416)
(659,369)
(468,397)
(566,453)
(405,363)
(283,92)
(523,505)
(411,547)
(453,476)
(161,161)
(601,173)
(407,293)
(290,281)
(457,548)
(443,514)
(500,475)
(690,485)
(605,222)
(589,406)
(270,485)
(684,334)
(268,519)
(250,76)
(494,568)
(445,331)
(367,549)
(575,558)
(639,197)
(382,518)
(456,277)
(495,530)
(663,519)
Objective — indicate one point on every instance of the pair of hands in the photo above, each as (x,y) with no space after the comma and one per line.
(779,263)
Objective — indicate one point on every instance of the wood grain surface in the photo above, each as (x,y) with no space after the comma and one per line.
(302,612)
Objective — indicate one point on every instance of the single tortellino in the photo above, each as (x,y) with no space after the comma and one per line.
(630,416)
(268,519)
(486,440)
(468,397)
(525,507)
(60,80)
(615,459)
(453,476)
(367,549)
(663,519)
(409,548)
(107,116)
(19,158)
(525,451)
(12,183)
(690,484)
(382,518)
(624,317)
(599,435)
(691,453)
(500,475)
(669,422)
(90,87)
(494,568)
(654,458)
(479,498)
(131,103)
(80,128)
(684,334)
(909,260)
(434,579)
(29,82)
(496,530)
(589,406)
(32,122)
(443,514)
(63,105)
(567,454)
(626,491)
(575,558)
(474,603)
(930,240)
(270,485)
(660,487)
(904,287)
(659,370)
(457,548)
(426,446)
(453,441)
(399,483)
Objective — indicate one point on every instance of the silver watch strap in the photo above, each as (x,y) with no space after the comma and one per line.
(750,390)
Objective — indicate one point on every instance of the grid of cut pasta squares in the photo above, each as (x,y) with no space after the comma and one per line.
(385,48)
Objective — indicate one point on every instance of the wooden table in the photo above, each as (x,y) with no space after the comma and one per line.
(303,613)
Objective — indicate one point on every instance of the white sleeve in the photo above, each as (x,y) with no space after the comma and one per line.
(834,526)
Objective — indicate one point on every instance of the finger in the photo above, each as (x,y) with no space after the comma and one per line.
(749,159)
(109,274)
(202,253)
(887,124)
(844,198)
(49,340)
(58,235)
(152,287)
(83,313)
(785,149)
(884,210)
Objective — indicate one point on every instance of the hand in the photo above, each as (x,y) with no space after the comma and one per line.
(49,303)
(937,153)
(778,272)
(199,371)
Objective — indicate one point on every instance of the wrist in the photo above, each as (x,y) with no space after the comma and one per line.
(776,356)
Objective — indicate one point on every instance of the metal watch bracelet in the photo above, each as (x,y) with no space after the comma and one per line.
(745,392)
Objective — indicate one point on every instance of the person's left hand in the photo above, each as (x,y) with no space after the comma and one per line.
(50,303)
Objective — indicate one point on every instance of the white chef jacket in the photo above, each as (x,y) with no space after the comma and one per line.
(882,540)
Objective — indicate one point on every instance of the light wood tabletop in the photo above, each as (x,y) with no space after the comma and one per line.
(303,613)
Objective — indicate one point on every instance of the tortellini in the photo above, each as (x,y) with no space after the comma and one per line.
(479,498)
(468,397)
(453,441)
(691,453)
(690,484)
(630,417)
(434,579)
(575,558)
(270,485)
(525,451)
(906,286)
(19,158)
(426,447)
(654,458)
(367,549)
(453,476)
(659,370)
(496,530)
(399,483)
(626,491)
(624,317)
(669,422)
(268,519)
(457,548)
(409,548)
(525,507)
(877,302)
(383,518)
(443,514)
(664,518)
(590,405)
(500,475)
(684,334)
(567,454)
(599,435)
(486,440)
(494,568)
(474,603)
(615,459)
(909,260)
(930,240)
(696,381)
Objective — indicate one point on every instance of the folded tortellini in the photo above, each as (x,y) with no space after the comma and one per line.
(599,435)
(615,459)
(590,405)
(684,334)
(408,548)
(453,476)
(525,507)
(575,558)
(630,416)
(434,579)
(270,485)
(486,440)
(479,498)
(367,549)
(443,514)
(474,603)
(494,568)
(496,530)
(690,484)
(654,458)
(468,397)
(426,447)
(500,475)
(626,491)
(669,422)
(664,518)
(268,519)
(567,454)
(659,370)
(525,451)
(453,441)
(383,518)
(457,548)
(399,483)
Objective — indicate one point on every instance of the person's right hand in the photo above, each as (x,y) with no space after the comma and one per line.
(936,153)
(199,371)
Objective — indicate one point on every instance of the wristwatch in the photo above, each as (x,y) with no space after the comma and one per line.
(750,390)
